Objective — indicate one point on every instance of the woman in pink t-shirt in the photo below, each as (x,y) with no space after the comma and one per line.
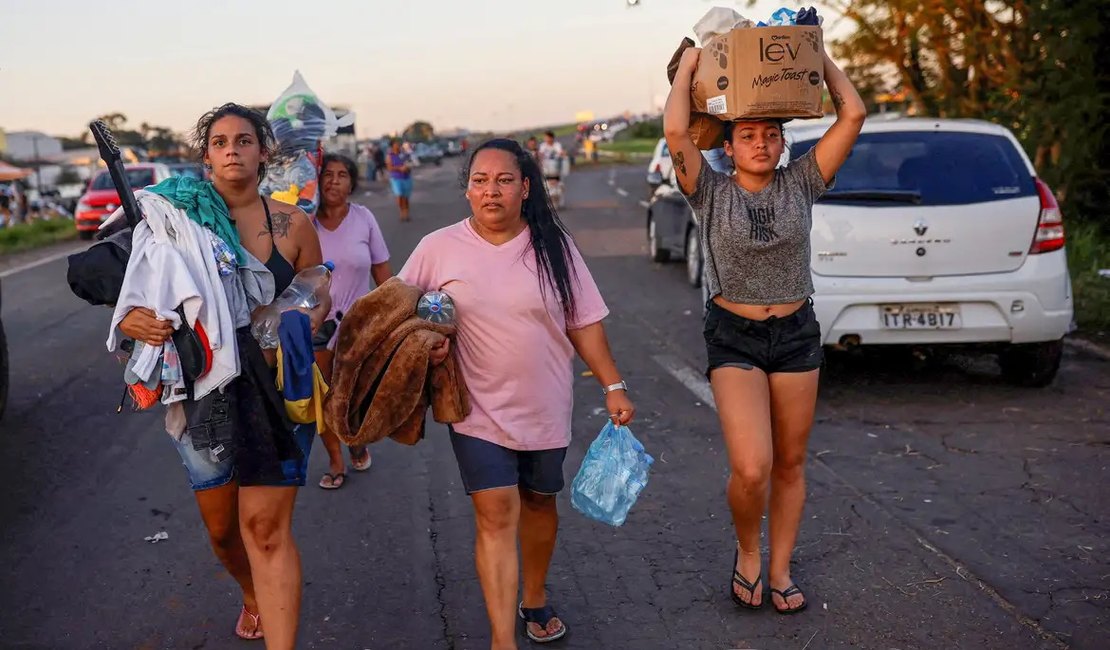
(351,239)
(526,303)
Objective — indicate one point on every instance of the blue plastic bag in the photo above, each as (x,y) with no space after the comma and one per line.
(783,17)
(613,473)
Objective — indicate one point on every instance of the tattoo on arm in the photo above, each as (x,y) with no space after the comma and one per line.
(281,221)
(680,162)
(837,99)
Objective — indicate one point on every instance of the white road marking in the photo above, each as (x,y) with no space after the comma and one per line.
(37,263)
(644,204)
(693,380)
(622,191)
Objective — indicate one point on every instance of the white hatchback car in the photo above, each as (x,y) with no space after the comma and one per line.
(939,232)
(660,169)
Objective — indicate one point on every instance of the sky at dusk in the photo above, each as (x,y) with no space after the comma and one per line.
(483,64)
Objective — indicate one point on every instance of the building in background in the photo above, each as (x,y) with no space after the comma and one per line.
(32,146)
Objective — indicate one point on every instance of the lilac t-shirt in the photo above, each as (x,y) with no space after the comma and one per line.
(512,341)
(355,246)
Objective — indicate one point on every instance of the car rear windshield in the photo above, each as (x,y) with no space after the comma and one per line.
(928,168)
(136,178)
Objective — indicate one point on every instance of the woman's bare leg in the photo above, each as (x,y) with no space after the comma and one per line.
(743,403)
(266,521)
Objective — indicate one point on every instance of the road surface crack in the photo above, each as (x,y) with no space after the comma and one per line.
(440,579)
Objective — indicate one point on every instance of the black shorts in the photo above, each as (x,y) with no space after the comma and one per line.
(788,344)
(484,465)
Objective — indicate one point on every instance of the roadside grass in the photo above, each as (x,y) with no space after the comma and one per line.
(564,130)
(25,236)
(644,146)
(1088,251)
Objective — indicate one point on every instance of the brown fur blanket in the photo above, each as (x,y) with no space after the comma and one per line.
(382,381)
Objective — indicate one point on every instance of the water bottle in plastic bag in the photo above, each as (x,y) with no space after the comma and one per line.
(613,473)
(437,307)
(305,292)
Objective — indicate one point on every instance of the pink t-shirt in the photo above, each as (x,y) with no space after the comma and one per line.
(512,340)
(355,246)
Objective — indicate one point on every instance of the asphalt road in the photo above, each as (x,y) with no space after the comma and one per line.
(946,508)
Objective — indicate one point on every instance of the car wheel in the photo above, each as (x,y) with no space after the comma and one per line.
(85,234)
(658,254)
(3,371)
(1031,364)
(693,258)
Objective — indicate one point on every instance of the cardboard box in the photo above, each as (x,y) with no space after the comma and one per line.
(706,131)
(761,72)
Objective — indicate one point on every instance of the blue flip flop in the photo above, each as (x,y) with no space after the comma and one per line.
(541,616)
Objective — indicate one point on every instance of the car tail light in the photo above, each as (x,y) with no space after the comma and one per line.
(658,168)
(1050,226)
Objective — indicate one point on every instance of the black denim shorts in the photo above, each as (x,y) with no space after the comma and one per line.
(788,344)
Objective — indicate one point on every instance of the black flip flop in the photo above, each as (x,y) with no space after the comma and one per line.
(541,616)
(750,587)
(792,590)
(338,476)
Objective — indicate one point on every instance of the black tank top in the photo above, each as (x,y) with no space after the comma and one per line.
(278,265)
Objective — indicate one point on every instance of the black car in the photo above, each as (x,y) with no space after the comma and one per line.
(672,232)
(671,229)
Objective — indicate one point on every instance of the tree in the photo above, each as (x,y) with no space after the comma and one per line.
(419,131)
(1031,65)
(74,143)
(161,140)
(117,122)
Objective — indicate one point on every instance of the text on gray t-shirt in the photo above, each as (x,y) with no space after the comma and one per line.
(756,245)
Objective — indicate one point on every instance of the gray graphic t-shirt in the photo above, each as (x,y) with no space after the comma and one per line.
(756,245)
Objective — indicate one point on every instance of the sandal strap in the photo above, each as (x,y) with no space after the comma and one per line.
(792,590)
(539,615)
(743,582)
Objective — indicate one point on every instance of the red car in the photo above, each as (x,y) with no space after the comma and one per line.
(101,199)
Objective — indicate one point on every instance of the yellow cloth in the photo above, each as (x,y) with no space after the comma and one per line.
(310,409)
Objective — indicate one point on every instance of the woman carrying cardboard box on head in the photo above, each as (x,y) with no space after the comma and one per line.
(762,338)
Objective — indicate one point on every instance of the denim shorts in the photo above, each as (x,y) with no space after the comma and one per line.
(205,473)
(484,465)
(401,186)
(788,344)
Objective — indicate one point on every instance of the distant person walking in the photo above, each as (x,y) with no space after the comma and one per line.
(399,164)
(378,161)
(351,239)
(532,146)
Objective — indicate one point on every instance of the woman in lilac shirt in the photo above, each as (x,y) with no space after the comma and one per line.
(351,239)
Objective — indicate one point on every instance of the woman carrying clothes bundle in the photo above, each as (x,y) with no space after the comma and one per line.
(352,240)
(762,338)
(248,517)
(526,303)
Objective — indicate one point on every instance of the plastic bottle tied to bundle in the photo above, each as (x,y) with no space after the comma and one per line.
(437,307)
(305,292)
